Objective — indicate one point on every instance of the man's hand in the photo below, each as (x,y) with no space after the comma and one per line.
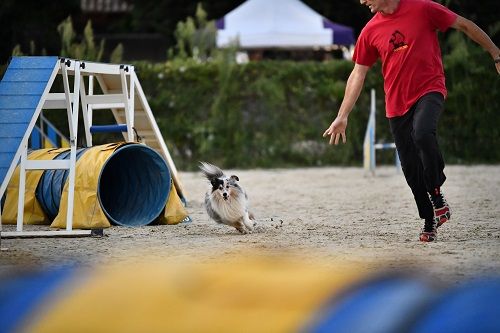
(337,130)
(352,91)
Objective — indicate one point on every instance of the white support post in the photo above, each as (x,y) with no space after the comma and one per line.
(71,188)
(369,140)
(22,187)
(90,109)
(131,101)
(68,98)
(73,123)
(1,233)
(398,161)
(129,112)
(373,110)
(87,108)
(1,212)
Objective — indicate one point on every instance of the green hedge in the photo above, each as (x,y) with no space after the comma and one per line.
(470,129)
(262,114)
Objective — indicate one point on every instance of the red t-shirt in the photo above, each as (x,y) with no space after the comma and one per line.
(406,41)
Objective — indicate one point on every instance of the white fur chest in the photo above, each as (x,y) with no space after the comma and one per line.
(232,209)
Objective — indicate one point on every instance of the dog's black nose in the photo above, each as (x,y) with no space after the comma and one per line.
(224,195)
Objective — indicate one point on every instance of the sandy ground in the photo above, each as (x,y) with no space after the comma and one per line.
(320,215)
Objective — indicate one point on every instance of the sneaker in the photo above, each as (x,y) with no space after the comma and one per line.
(429,232)
(442,211)
(426,237)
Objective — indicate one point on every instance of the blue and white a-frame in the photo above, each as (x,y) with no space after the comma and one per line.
(26,89)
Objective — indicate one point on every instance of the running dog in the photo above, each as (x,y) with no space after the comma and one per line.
(226,201)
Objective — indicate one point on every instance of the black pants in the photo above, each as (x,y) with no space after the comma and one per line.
(417,145)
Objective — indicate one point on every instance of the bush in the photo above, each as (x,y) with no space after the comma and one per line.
(261,114)
(469,127)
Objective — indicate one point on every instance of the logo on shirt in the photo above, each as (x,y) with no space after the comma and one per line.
(398,41)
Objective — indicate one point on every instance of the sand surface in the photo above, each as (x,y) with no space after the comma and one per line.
(320,215)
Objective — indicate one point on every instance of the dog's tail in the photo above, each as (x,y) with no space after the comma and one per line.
(210,171)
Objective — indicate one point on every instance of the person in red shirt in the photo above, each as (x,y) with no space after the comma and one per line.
(402,33)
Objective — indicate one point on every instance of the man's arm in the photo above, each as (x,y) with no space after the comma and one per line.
(353,89)
(479,36)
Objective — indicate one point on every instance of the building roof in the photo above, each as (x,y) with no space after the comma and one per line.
(105,6)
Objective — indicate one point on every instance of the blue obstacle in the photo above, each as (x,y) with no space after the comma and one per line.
(21,91)
(133,185)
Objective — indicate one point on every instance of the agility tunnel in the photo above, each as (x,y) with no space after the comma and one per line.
(244,295)
(126,184)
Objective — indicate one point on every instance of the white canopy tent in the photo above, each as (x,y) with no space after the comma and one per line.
(279,24)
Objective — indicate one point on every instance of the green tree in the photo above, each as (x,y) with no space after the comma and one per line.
(86,49)
(117,54)
(195,37)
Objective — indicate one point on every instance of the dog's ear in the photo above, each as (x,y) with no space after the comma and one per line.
(215,182)
(235,177)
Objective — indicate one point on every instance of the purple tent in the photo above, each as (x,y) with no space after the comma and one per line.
(280,24)
(342,34)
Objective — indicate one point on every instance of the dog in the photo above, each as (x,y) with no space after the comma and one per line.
(226,201)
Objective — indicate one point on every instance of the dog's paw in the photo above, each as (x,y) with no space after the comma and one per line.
(242,230)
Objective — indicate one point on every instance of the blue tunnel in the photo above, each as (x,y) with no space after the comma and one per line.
(133,186)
